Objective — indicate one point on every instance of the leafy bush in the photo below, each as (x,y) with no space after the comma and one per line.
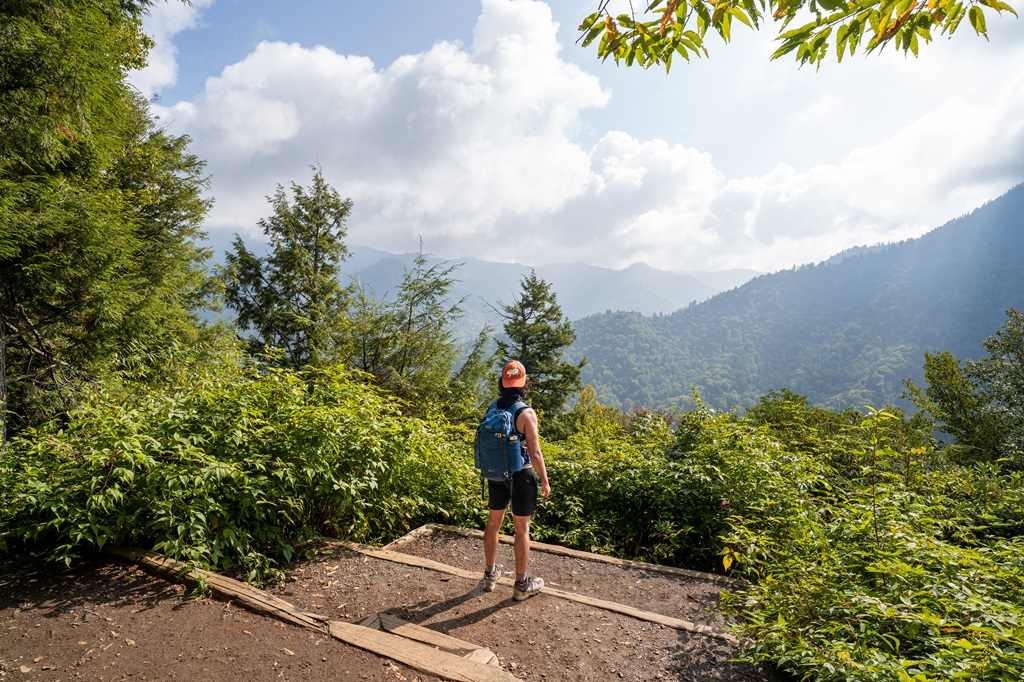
(903,573)
(623,502)
(233,464)
(847,603)
(872,556)
(669,499)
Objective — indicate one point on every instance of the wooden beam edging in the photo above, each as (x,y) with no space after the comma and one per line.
(222,586)
(414,534)
(453,645)
(421,562)
(588,556)
(420,656)
(416,655)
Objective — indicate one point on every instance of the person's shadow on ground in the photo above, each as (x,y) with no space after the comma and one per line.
(425,610)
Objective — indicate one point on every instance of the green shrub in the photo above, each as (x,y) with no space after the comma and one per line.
(230,465)
(669,500)
(872,556)
(904,572)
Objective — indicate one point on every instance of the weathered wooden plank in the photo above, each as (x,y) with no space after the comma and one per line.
(409,559)
(373,622)
(410,536)
(482,655)
(397,626)
(453,645)
(246,595)
(419,656)
(668,621)
(423,657)
(591,556)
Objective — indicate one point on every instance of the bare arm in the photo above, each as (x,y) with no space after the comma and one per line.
(526,424)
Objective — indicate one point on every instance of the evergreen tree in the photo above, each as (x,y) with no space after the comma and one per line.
(538,336)
(162,184)
(408,345)
(99,210)
(291,299)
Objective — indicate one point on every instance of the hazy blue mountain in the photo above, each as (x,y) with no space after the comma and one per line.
(581,289)
(844,332)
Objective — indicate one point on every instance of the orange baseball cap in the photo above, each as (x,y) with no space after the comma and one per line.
(514,375)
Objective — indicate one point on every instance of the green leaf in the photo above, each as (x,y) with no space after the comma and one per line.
(977,18)
(998,6)
(589,20)
(593,34)
(786,48)
(741,14)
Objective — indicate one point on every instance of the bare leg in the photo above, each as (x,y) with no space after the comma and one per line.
(522,542)
(491,536)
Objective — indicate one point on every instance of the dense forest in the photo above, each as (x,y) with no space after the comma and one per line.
(845,332)
(873,550)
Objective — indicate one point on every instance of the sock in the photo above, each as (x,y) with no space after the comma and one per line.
(491,569)
(520,577)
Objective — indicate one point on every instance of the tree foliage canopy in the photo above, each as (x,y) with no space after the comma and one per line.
(808,29)
(291,298)
(538,335)
(980,403)
(100,209)
(408,345)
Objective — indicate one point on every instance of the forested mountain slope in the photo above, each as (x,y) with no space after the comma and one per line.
(845,332)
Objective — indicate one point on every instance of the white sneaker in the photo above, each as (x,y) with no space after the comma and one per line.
(527,588)
(491,579)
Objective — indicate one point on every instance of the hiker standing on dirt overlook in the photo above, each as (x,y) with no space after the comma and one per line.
(520,491)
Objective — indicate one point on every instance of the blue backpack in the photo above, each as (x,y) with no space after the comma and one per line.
(497,449)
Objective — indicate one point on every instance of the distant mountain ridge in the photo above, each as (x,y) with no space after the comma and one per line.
(844,332)
(581,289)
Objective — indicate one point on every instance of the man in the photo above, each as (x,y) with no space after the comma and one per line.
(520,492)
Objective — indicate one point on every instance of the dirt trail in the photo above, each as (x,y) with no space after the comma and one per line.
(107,620)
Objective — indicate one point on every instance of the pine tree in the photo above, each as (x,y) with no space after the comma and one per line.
(291,299)
(408,344)
(538,336)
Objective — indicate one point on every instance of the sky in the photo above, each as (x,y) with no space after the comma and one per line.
(481,128)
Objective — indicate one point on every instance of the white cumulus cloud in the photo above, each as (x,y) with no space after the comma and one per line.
(164,21)
(478,147)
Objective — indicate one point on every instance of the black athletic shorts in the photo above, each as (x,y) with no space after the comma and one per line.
(521,491)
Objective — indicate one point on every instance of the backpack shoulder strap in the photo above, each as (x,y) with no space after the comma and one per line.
(516,409)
